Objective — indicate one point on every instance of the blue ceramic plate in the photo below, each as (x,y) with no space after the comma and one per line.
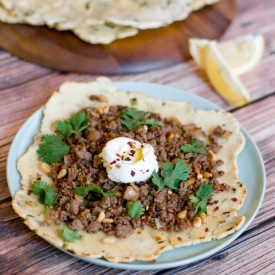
(251,173)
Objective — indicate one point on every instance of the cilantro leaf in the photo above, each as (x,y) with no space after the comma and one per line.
(69,235)
(45,191)
(83,190)
(52,148)
(171,175)
(135,209)
(193,146)
(199,201)
(132,118)
(74,125)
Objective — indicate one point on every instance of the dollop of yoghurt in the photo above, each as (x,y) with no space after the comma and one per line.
(127,160)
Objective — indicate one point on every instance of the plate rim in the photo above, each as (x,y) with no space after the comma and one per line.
(144,87)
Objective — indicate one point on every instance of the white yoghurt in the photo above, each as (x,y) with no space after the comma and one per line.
(127,160)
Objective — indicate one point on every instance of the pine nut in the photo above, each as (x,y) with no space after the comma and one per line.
(191,180)
(31,203)
(62,173)
(102,98)
(105,109)
(199,176)
(99,111)
(211,155)
(101,216)
(107,220)
(108,240)
(203,218)
(197,222)
(196,169)
(44,167)
(225,134)
(175,119)
(182,214)
(206,175)
(145,128)
(170,135)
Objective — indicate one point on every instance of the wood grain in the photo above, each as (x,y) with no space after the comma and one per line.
(24,87)
(148,50)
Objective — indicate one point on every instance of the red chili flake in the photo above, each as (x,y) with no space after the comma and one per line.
(142,146)
(143,159)
(226,212)
(173,194)
(234,199)
(216,208)
(132,151)
(118,166)
(38,176)
(122,157)
(206,229)
(118,155)
(127,159)
(133,173)
(131,144)
(113,162)
(147,170)
(118,159)
(179,238)
(29,192)
(215,202)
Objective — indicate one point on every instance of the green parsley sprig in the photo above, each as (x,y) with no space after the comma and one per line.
(193,146)
(84,190)
(133,118)
(69,235)
(45,191)
(199,201)
(52,148)
(135,209)
(171,175)
(74,125)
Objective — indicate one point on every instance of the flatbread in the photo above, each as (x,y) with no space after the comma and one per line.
(90,20)
(147,244)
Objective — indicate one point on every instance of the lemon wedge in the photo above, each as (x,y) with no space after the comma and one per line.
(223,78)
(241,54)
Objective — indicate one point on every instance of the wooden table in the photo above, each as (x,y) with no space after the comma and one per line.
(25,87)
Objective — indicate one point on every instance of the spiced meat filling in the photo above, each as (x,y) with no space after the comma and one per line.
(83,166)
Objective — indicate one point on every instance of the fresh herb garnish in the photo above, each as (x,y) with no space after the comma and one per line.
(83,190)
(193,146)
(132,118)
(74,125)
(69,235)
(202,195)
(135,209)
(171,175)
(45,191)
(52,148)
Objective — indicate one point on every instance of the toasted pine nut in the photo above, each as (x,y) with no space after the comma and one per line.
(203,218)
(109,239)
(102,98)
(211,155)
(175,119)
(169,192)
(44,167)
(170,135)
(101,216)
(105,109)
(99,110)
(182,214)
(53,127)
(197,222)
(206,175)
(145,128)
(111,118)
(147,207)
(196,169)
(225,134)
(107,220)
(199,176)
(191,180)
(31,203)
(62,173)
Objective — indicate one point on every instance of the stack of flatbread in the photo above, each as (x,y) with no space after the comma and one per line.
(101,21)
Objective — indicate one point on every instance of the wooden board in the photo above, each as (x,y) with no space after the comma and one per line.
(150,49)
